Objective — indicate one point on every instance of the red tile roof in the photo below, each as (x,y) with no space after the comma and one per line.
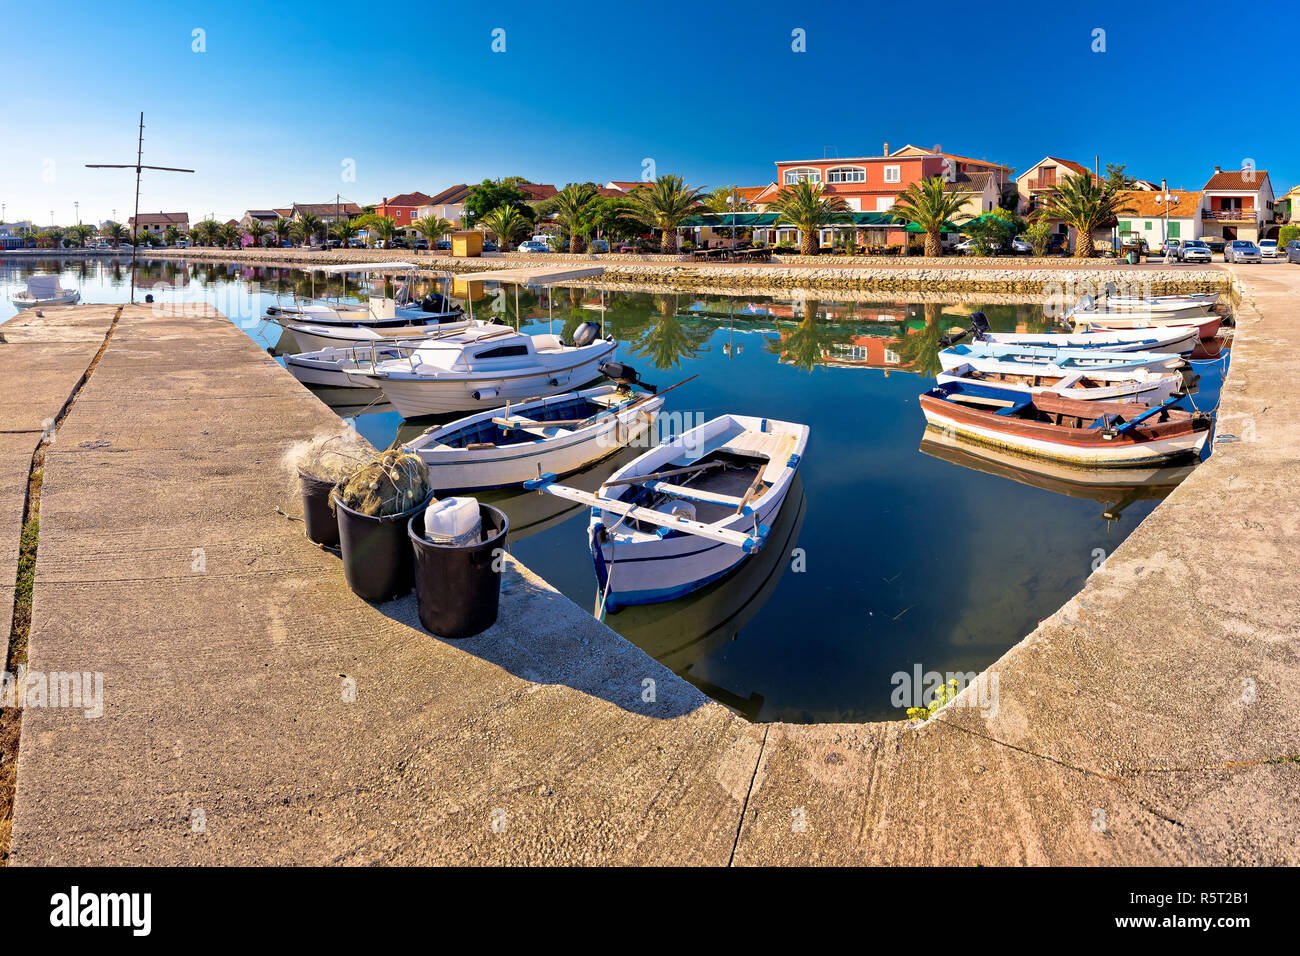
(1142,202)
(1237,180)
(409,199)
(629,186)
(534,192)
(161,218)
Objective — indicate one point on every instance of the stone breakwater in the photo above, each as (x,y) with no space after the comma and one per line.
(811,274)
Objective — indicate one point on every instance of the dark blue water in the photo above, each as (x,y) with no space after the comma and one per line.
(892,555)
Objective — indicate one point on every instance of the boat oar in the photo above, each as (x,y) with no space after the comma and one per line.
(1136,420)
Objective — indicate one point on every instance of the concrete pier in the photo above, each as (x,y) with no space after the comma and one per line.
(1154,719)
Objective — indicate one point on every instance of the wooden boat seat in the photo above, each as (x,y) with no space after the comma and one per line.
(774,446)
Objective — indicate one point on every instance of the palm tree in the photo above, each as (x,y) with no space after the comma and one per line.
(307,227)
(665,341)
(114,232)
(433,228)
(572,206)
(283,229)
(1085,205)
(807,205)
(928,204)
(257,231)
(205,233)
(719,200)
(664,205)
(344,230)
(230,235)
(506,224)
(80,233)
(810,343)
(385,228)
(171,234)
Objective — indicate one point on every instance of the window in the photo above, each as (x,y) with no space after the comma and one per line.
(503,351)
(1174,230)
(893,174)
(883,203)
(1125,226)
(802,174)
(854,204)
(846,174)
(1147,227)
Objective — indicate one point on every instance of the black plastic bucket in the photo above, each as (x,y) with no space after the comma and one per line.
(377,561)
(321,525)
(458,588)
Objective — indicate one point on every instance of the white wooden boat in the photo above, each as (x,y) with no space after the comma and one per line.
(1113,299)
(1001,388)
(380,310)
(45,290)
(311,338)
(688,512)
(1206,326)
(482,366)
(1174,338)
(557,435)
(1025,358)
(1168,310)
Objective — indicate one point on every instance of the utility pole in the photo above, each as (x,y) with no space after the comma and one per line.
(77,207)
(138,166)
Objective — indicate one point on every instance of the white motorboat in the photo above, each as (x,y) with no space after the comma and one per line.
(1165,310)
(312,338)
(1028,358)
(481,366)
(1207,326)
(556,435)
(1174,338)
(1114,300)
(380,310)
(45,290)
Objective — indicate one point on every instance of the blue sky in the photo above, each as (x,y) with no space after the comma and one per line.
(414,95)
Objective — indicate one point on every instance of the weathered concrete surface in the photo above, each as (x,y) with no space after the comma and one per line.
(41,360)
(223,687)
(1137,724)
(1140,724)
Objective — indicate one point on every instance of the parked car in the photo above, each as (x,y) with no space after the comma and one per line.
(1216,243)
(598,245)
(1268,249)
(399,242)
(1194,250)
(1172,248)
(356,243)
(443,245)
(631,247)
(424,244)
(490,246)
(1020,246)
(1293,251)
(533,245)
(1241,250)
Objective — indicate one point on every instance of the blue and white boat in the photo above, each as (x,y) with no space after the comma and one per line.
(690,511)
(1176,338)
(997,384)
(1065,359)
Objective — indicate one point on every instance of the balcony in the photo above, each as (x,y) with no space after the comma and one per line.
(1228,215)
(1042,185)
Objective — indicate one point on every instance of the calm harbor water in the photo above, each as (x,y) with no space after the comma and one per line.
(892,553)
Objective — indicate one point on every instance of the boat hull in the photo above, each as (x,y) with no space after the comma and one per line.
(314,340)
(1148,389)
(1179,339)
(1205,329)
(26,302)
(1025,359)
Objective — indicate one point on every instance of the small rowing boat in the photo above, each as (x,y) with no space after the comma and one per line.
(329,367)
(1065,359)
(1175,338)
(557,435)
(690,511)
(1092,434)
(1206,327)
(1002,387)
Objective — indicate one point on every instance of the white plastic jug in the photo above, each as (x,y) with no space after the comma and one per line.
(453,521)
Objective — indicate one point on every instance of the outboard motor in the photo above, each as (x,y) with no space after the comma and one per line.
(433,302)
(1111,289)
(624,376)
(979,323)
(585,334)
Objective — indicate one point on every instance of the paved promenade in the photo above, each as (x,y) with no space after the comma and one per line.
(1154,719)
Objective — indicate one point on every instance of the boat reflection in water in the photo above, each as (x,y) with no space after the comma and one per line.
(683,632)
(1115,489)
